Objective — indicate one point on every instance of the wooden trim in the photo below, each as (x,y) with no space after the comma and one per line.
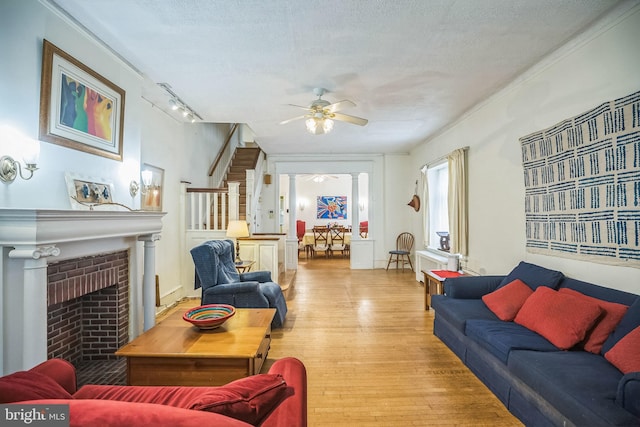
(207,190)
(224,147)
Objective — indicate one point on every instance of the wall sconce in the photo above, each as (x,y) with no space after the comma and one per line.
(27,148)
(134,187)
(302,204)
(362,205)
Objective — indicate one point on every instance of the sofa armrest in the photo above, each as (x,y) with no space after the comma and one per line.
(233,288)
(628,395)
(258,276)
(471,287)
(292,411)
(61,371)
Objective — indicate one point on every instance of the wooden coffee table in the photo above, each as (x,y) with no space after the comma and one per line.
(174,352)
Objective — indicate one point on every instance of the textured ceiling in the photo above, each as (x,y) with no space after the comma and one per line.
(411,66)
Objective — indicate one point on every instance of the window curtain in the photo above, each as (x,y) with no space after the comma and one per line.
(458,206)
(423,188)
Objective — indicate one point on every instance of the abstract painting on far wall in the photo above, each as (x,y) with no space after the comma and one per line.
(332,207)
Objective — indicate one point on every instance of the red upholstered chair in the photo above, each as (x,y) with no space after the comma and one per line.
(301,228)
(364,229)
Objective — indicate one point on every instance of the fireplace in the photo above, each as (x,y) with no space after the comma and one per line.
(60,268)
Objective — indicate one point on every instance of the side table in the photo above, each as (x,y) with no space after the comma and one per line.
(433,283)
(244,266)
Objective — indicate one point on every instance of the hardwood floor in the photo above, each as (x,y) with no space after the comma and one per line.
(371,356)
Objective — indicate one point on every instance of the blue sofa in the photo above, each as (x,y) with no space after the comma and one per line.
(539,383)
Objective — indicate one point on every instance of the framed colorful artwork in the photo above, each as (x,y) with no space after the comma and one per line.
(86,192)
(152,186)
(332,207)
(79,108)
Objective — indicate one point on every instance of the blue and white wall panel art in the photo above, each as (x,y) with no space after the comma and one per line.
(582,185)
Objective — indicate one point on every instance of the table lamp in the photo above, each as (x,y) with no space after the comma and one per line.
(237,229)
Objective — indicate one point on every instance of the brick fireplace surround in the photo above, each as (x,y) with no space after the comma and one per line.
(63,268)
(88,313)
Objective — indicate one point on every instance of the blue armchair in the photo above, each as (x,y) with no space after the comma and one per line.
(222,284)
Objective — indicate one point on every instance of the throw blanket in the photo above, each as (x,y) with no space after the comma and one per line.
(582,185)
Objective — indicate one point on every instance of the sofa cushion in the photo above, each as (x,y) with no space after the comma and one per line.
(583,386)
(628,395)
(534,276)
(499,338)
(612,313)
(248,399)
(506,301)
(625,355)
(561,318)
(629,322)
(458,311)
(113,413)
(28,385)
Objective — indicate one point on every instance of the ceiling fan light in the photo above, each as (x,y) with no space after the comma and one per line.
(312,125)
(318,126)
(327,125)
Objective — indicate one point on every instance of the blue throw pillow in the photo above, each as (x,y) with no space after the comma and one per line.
(534,276)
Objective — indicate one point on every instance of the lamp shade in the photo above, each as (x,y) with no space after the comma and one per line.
(237,229)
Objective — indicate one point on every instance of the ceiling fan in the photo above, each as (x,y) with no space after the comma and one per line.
(321,114)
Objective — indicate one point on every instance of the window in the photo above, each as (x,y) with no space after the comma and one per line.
(444,186)
(438,208)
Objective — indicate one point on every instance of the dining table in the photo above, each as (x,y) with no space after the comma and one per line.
(308,239)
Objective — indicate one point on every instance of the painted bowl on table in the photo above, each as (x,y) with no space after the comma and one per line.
(209,316)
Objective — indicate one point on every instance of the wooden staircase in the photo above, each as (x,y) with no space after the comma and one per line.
(244,158)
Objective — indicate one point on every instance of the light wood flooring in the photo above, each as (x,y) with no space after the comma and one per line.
(370,352)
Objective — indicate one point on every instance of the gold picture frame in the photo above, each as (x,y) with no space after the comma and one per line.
(79,108)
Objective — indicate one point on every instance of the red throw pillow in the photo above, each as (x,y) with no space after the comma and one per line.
(612,314)
(27,385)
(248,399)
(624,355)
(562,319)
(507,300)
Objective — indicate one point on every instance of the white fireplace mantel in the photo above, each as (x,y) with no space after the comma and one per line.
(30,239)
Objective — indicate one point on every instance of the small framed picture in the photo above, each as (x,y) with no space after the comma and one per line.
(152,178)
(85,192)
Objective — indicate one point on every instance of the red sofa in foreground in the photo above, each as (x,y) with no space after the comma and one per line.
(276,399)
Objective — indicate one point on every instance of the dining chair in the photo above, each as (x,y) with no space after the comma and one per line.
(402,252)
(338,241)
(320,241)
(364,229)
(300,230)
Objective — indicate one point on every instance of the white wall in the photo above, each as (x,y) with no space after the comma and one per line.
(23,26)
(307,191)
(184,150)
(602,66)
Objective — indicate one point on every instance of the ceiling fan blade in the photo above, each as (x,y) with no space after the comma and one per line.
(300,106)
(349,119)
(293,119)
(337,106)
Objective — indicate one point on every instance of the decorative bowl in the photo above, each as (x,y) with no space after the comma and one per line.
(209,316)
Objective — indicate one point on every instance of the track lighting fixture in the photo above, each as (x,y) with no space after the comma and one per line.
(175,103)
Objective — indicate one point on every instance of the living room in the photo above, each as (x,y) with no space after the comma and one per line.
(599,65)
